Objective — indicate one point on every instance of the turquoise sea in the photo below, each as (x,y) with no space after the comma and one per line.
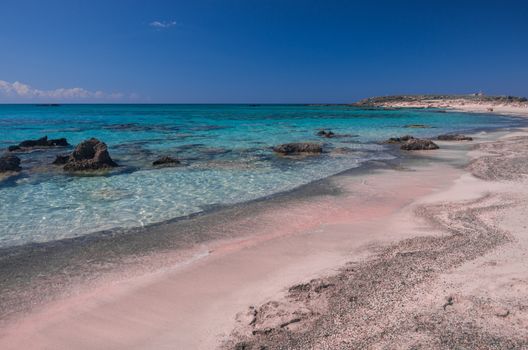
(225,152)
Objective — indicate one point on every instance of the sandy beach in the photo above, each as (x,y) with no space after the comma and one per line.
(473,105)
(427,253)
(263,175)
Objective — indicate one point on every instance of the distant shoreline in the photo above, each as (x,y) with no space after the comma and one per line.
(508,105)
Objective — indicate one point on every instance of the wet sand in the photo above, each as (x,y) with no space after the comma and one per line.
(383,261)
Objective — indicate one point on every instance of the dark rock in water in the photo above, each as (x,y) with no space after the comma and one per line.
(417,126)
(90,154)
(9,163)
(298,148)
(330,134)
(58,142)
(61,159)
(47,105)
(418,144)
(454,137)
(166,161)
(325,133)
(43,142)
(399,139)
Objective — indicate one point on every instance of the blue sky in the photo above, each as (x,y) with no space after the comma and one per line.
(258,51)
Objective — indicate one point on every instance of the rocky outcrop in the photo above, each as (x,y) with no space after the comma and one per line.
(418,145)
(9,163)
(90,154)
(399,139)
(326,133)
(298,148)
(165,162)
(43,142)
(454,137)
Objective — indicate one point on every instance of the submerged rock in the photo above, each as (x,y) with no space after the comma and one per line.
(419,144)
(90,154)
(211,151)
(166,161)
(342,150)
(417,126)
(61,159)
(399,139)
(9,163)
(298,148)
(326,133)
(330,134)
(454,137)
(43,142)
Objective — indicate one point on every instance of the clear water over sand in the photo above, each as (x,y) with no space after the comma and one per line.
(225,151)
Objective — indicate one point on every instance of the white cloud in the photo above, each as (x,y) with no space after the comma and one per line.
(24,91)
(162,24)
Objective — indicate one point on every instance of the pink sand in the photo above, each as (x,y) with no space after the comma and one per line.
(194,306)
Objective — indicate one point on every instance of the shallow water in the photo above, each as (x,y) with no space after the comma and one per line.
(225,151)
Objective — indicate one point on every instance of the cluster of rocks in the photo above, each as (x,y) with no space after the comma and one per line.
(11,163)
(406,142)
(89,155)
(410,143)
(92,154)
